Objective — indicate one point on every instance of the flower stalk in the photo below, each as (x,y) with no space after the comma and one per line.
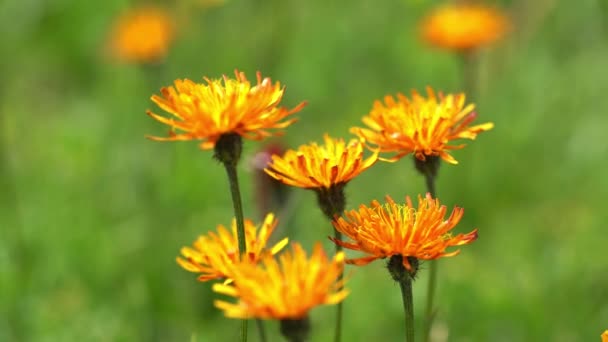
(261,329)
(228,151)
(429,168)
(332,202)
(470,73)
(295,330)
(405,277)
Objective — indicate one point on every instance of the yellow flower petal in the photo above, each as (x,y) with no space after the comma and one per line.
(421,126)
(286,288)
(228,106)
(214,254)
(395,229)
(313,166)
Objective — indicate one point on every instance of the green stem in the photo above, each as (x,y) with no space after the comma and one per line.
(237,204)
(332,202)
(295,330)
(261,330)
(240,222)
(339,308)
(405,277)
(432,284)
(430,309)
(408,307)
(470,72)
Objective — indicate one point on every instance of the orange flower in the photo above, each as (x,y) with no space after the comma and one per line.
(313,166)
(423,126)
(393,229)
(213,254)
(605,336)
(207,111)
(284,289)
(142,35)
(464,26)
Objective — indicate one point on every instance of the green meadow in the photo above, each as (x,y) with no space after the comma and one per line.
(93,214)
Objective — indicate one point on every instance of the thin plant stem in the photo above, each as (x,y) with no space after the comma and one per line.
(339,308)
(432,284)
(430,309)
(332,202)
(237,204)
(240,222)
(470,73)
(295,330)
(14,236)
(404,276)
(261,330)
(408,307)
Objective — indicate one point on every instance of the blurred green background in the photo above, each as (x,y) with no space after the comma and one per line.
(92,215)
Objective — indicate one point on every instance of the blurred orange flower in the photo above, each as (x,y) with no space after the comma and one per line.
(213,254)
(313,166)
(142,35)
(423,126)
(394,229)
(605,336)
(207,111)
(464,26)
(284,289)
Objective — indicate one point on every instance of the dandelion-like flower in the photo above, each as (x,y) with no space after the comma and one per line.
(214,254)
(286,289)
(605,336)
(209,111)
(464,26)
(422,126)
(313,166)
(395,229)
(142,35)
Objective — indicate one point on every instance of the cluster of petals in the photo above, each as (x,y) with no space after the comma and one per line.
(316,166)
(206,111)
(214,254)
(464,26)
(424,126)
(142,35)
(287,288)
(384,230)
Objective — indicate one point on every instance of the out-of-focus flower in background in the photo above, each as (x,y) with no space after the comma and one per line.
(464,26)
(142,35)
(271,195)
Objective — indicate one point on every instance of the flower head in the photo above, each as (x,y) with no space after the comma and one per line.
(313,166)
(142,35)
(464,26)
(284,289)
(214,254)
(605,336)
(423,126)
(208,111)
(394,229)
